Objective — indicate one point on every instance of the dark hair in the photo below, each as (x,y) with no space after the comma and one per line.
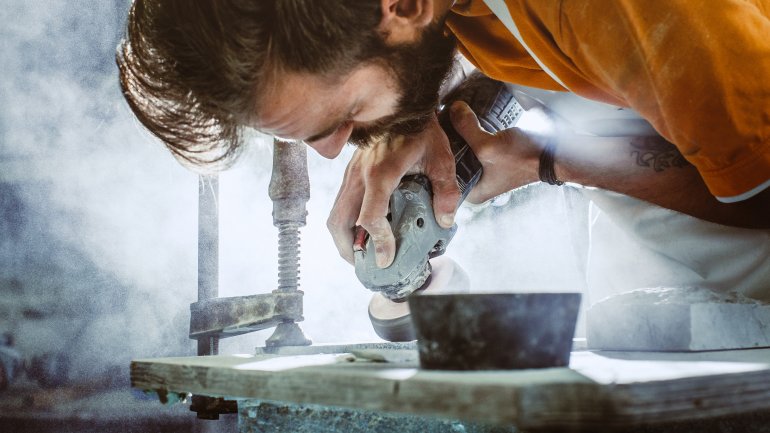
(192,71)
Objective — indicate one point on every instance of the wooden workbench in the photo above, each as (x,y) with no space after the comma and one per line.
(599,388)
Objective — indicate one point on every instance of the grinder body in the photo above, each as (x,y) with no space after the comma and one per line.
(417,233)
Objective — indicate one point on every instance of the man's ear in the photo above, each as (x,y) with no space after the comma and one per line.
(403,20)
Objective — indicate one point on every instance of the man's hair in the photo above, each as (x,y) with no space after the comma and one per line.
(192,71)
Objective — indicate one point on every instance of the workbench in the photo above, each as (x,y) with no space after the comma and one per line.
(608,389)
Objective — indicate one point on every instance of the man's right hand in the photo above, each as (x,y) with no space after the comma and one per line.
(373,174)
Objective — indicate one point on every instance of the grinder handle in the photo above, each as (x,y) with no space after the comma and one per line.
(496,110)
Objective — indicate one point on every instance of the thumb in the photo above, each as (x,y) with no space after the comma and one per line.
(467,125)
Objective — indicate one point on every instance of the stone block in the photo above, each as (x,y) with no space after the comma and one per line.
(678,319)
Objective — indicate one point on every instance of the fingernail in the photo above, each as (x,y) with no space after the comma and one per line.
(447,220)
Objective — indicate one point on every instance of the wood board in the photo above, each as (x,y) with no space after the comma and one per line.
(599,388)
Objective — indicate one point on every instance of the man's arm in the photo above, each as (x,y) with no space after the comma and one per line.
(652,169)
(648,168)
(697,74)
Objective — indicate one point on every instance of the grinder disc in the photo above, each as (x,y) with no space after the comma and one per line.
(391,319)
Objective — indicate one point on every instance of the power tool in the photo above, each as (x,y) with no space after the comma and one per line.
(418,235)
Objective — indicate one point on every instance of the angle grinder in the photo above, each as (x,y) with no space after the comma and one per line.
(419,237)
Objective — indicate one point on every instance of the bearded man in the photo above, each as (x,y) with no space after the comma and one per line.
(369,72)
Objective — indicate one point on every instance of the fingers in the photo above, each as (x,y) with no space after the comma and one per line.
(344,213)
(446,198)
(372,176)
(382,237)
(510,159)
(467,125)
(363,201)
(440,169)
(342,234)
(374,209)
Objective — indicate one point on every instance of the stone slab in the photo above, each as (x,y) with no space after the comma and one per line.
(677,319)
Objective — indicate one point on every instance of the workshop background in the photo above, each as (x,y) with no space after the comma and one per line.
(98,227)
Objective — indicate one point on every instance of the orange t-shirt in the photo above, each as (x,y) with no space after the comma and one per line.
(697,70)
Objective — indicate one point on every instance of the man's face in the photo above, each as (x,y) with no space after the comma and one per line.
(395,93)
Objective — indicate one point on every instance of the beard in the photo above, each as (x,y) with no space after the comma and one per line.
(420,70)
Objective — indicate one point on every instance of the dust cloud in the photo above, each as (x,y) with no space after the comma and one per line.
(98,249)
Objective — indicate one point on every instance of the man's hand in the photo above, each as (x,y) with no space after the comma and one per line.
(374,173)
(510,157)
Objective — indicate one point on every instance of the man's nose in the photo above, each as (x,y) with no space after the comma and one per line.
(331,146)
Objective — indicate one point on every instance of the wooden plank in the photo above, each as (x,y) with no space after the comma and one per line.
(598,389)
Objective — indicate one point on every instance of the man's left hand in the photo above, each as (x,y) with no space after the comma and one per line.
(373,174)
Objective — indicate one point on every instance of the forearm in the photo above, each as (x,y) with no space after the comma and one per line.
(651,169)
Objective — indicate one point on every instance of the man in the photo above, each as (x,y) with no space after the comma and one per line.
(369,72)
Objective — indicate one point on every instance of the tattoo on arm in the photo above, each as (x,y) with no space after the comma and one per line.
(657,153)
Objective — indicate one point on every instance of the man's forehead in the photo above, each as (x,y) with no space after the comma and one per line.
(296,106)
(289,90)
(305,106)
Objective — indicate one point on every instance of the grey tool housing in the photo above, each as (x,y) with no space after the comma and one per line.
(418,236)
